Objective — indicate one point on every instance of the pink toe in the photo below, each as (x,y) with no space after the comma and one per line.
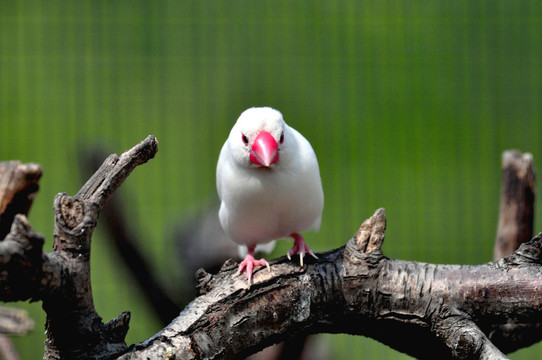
(300,247)
(248,265)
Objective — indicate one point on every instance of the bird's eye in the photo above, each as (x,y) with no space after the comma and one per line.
(281,140)
(245,139)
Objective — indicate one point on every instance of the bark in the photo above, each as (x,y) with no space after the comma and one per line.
(451,311)
(18,186)
(124,236)
(14,321)
(61,279)
(7,349)
(357,290)
(201,243)
(516,214)
(516,217)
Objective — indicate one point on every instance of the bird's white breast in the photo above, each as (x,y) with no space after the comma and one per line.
(262,204)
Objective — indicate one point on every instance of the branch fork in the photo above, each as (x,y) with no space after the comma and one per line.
(61,279)
(458,311)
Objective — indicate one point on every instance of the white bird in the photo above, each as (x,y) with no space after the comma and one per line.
(269,184)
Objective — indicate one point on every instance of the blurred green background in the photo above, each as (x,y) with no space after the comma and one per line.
(408,105)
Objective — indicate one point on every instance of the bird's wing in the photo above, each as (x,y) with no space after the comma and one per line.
(307,163)
(222,159)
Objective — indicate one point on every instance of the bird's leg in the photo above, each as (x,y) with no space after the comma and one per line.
(300,247)
(249,262)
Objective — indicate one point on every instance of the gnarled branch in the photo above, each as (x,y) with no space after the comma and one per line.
(516,214)
(357,290)
(458,311)
(18,186)
(61,279)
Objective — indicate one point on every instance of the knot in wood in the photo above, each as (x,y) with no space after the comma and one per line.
(72,211)
(468,345)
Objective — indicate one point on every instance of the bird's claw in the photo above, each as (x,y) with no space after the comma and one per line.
(300,247)
(248,265)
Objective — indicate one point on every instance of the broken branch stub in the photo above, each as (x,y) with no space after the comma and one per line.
(18,187)
(456,311)
(516,213)
(73,326)
(370,235)
(61,279)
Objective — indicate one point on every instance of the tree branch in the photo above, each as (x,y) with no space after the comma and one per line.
(14,321)
(357,290)
(124,237)
(61,279)
(18,186)
(202,244)
(516,215)
(457,311)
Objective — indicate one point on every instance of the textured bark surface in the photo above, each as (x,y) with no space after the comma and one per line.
(18,186)
(452,311)
(516,214)
(15,321)
(357,290)
(61,279)
(200,243)
(125,237)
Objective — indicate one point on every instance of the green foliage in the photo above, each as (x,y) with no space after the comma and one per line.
(408,105)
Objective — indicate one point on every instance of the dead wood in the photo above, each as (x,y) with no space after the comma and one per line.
(18,186)
(516,214)
(125,238)
(61,279)
(15,321)
(452,311)
(357,290)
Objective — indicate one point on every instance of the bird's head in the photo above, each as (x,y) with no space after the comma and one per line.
(257,137)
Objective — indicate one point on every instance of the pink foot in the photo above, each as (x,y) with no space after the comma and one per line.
(300,247)
(249,262)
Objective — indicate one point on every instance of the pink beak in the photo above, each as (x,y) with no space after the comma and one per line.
(264,150)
